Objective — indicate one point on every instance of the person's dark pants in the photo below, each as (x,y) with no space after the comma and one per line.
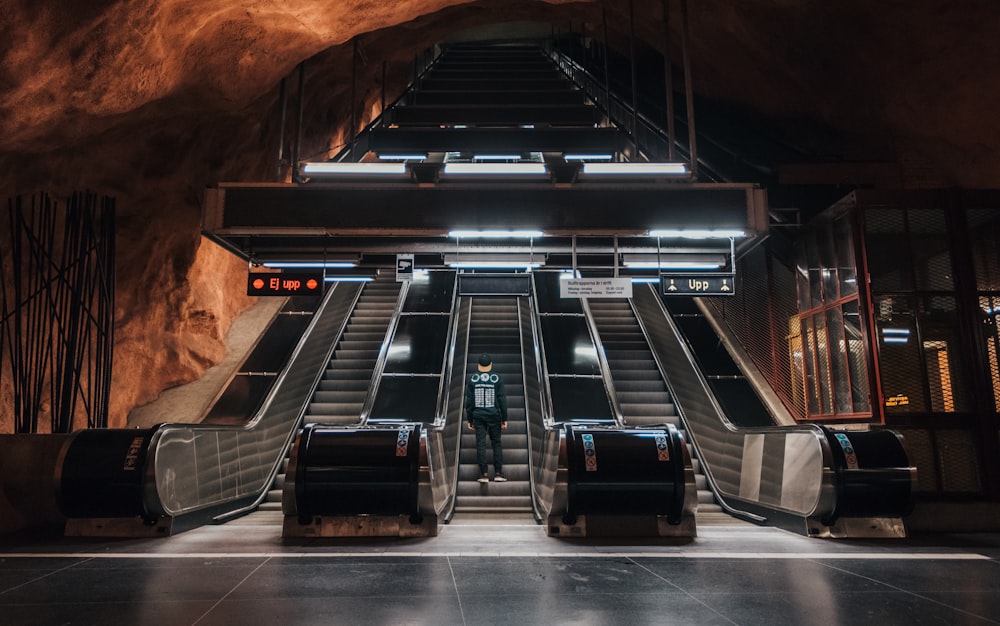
(491,428)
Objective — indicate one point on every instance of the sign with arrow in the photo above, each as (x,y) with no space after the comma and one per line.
(698,284)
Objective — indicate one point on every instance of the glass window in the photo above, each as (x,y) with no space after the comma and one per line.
(847,270)
(931,249)
(854,338)
(939,333)
(899,360)
(990,306)
(838,361)
(984,237)
(888,254)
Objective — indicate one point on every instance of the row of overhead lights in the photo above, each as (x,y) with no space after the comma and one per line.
(490,167)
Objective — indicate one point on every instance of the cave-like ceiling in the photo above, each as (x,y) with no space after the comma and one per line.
(153,100)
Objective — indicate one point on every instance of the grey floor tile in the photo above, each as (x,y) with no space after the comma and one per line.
(338,611)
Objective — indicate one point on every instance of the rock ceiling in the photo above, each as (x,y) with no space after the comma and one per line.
(152,100)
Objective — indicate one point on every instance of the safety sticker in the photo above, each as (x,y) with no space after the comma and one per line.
(849,454)
(402,442)
(590,453)
(662,450)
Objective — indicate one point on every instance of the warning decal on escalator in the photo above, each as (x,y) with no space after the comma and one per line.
(662,450)
(849,455)
(402,442)
(590,453)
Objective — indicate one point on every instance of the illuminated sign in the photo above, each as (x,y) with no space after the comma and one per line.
(697,284)
(897,400)
(285,284)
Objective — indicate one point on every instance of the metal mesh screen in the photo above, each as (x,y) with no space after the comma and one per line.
(920,452)
(957,460)
(991,333)
(763,315)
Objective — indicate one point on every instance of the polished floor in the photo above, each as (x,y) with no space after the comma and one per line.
(482,571)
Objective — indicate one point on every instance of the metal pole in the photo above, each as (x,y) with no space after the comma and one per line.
(382,110)
(635,88)
(354,96)
(685,44)
(281,129)
(297,148)
(607,75)
(669,82)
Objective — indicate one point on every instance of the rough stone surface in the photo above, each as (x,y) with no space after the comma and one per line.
(152,100)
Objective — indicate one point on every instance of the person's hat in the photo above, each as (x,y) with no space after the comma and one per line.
(485,363)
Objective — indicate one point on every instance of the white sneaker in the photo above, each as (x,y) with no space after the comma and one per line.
(499,478)
(485,478)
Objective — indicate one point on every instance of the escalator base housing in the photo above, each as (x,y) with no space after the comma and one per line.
(360,526)
(620,526)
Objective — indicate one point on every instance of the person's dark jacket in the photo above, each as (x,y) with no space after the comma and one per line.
(485,398)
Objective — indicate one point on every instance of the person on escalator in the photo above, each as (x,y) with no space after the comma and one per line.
(486,413)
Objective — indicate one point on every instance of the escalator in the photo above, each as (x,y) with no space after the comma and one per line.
(494,329)
(806,478)
(341,392)
(642,394)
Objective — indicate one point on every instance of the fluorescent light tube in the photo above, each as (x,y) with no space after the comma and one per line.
(695,233)
(315,169)
(494,168)
(309,264)
(644,169)
(494,234)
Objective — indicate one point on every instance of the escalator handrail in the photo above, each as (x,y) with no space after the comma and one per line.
(816,431)
(540,362)
(602,360)
(536,508)
(151,484)
(383,355)
(726,506)
(441,410)
(452,480)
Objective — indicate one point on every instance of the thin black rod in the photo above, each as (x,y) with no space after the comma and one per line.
(352,132)
(688,90)
(297,148)
(635,86)
(281,130)
(382,110)
(607,73)
(668,82)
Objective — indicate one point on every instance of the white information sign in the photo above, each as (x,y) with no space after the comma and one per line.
(404,267)
(596,288)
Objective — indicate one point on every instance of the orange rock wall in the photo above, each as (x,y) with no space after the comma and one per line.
(152,100)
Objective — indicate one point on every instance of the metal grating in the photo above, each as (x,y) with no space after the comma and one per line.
(991,332)
(759,316)
(957,459)
(920,452)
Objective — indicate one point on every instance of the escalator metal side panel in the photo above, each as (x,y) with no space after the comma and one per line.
(787,469)
(444,440)
(779,413)
(543,454)
(195,469)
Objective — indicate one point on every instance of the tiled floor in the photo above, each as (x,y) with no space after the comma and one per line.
(499,571)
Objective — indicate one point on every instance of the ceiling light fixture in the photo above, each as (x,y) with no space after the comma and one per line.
(695,233)
(338,169)
(494,234)
(495,168)
(633,169)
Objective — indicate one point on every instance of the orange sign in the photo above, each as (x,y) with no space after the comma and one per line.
(285,284)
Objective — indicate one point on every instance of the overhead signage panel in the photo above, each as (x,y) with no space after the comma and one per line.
(697,284)
(404,267)
(596,288)
(285,284)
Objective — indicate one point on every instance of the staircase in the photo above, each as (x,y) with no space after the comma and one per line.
(640,389)
(341,392)
(494,330)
